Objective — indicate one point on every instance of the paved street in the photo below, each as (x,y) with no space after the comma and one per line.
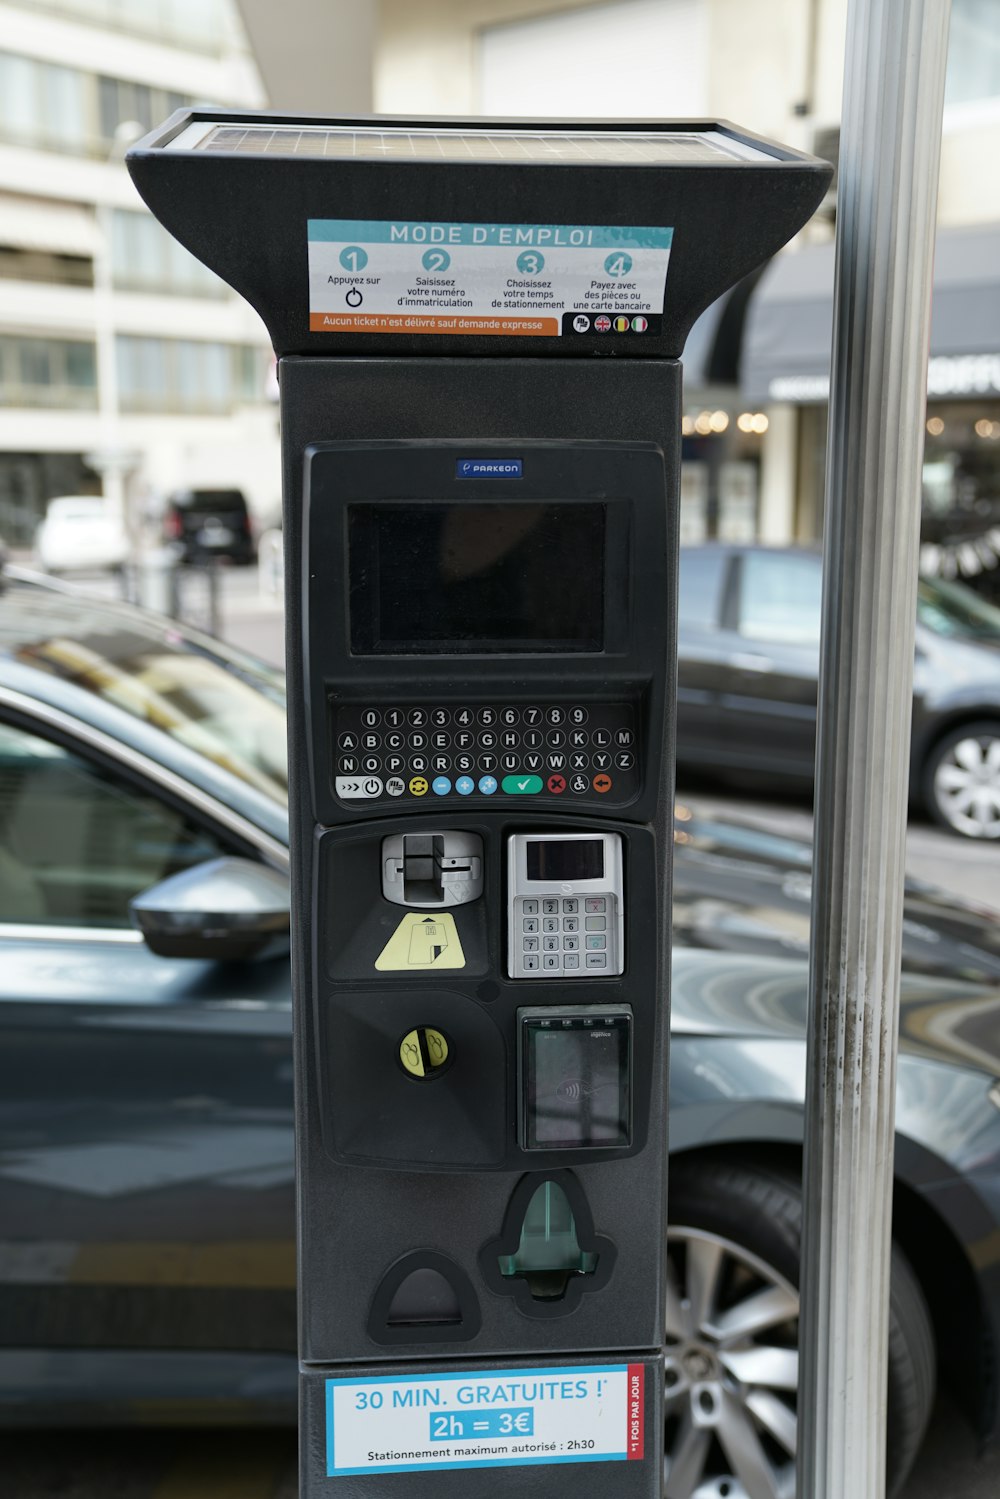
(165,1464)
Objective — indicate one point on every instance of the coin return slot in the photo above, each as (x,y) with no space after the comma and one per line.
(549,1254)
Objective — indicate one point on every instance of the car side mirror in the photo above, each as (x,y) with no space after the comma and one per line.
(226,909)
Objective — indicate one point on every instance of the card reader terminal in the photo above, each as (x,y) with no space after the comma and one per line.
(565,905)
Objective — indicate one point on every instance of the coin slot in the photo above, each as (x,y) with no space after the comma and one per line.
(424,1051)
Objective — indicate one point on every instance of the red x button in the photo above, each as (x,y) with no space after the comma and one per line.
(557,785)
(602,783)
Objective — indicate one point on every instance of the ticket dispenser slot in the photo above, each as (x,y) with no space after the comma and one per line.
(481,492)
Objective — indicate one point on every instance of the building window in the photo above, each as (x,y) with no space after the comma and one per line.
(201,25)
(145,257)
(122,102)
(973,52)
(45,265)
(52,108)
(44,105)
(48,372)
(187,375)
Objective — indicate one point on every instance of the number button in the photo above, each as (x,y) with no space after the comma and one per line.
(571,923)
(550,944)
(463,717)
(578,715)
(550,923)
(532,716)
(440,718)
(570,907)
(529,944)
(529,925)
(530,908)
(487,717)
(371,718)
(571,944)
(395,717)
(555,716)
(510,717)
(418,718)
(551,961)
(550,907)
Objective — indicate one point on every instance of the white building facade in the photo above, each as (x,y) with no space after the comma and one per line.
(119,353)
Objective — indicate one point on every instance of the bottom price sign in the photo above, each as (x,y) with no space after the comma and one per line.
(485,1420)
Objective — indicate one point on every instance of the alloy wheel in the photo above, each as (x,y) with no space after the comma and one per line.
(967,785)
(730,1372)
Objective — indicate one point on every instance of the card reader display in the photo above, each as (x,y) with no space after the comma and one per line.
(574,1071)
(565,905)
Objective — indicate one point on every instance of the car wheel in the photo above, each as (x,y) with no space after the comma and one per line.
(962,780)
(731,1351)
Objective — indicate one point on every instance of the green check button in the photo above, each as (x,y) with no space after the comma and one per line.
(522,785)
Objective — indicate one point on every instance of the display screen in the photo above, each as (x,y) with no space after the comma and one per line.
(577,1083)
(565,859)
(478,578)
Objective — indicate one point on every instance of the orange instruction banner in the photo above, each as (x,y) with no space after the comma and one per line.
(374,322)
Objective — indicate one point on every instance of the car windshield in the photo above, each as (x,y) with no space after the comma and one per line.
(955,611)
(218,702)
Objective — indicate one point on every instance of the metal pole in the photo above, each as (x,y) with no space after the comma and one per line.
(890,153)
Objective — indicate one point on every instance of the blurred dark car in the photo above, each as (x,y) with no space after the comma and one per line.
(749,623)
(210,523)
(147,1266)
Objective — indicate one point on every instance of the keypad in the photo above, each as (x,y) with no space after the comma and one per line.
(562,935)
(555,751)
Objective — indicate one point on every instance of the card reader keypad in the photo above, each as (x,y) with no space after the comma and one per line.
(559,752)
(565,935)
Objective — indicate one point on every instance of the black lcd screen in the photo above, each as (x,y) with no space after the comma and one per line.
(577,1079)
(565,859)
(469,577)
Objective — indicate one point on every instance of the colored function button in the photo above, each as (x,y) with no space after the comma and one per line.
(465,785)
(602,783)
(358,788)
(440,785)
(522,785)
(487,785)
(395,786)
(418,786)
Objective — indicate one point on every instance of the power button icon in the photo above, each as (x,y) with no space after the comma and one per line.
(354,297)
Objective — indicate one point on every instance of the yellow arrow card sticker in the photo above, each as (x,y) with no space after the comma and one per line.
(422,942)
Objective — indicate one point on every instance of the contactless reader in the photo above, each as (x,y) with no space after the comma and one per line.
(478,328)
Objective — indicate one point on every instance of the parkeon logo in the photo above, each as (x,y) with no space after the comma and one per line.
(488,468)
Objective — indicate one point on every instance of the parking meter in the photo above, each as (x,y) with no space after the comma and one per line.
(478,330)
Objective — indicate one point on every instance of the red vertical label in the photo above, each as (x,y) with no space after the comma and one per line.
(635,1436)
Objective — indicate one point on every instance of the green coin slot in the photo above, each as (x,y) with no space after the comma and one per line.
(423,1051)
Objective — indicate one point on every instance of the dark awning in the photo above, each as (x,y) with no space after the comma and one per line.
(786,350)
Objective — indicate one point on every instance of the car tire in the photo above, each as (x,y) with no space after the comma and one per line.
(964,762)
(735,1230)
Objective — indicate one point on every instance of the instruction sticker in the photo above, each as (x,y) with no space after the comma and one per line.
(528,280)
(421,942)
(515,1418)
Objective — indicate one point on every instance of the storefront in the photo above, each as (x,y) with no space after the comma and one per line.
(785,364)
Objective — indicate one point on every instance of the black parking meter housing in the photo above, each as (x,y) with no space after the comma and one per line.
(480,407)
